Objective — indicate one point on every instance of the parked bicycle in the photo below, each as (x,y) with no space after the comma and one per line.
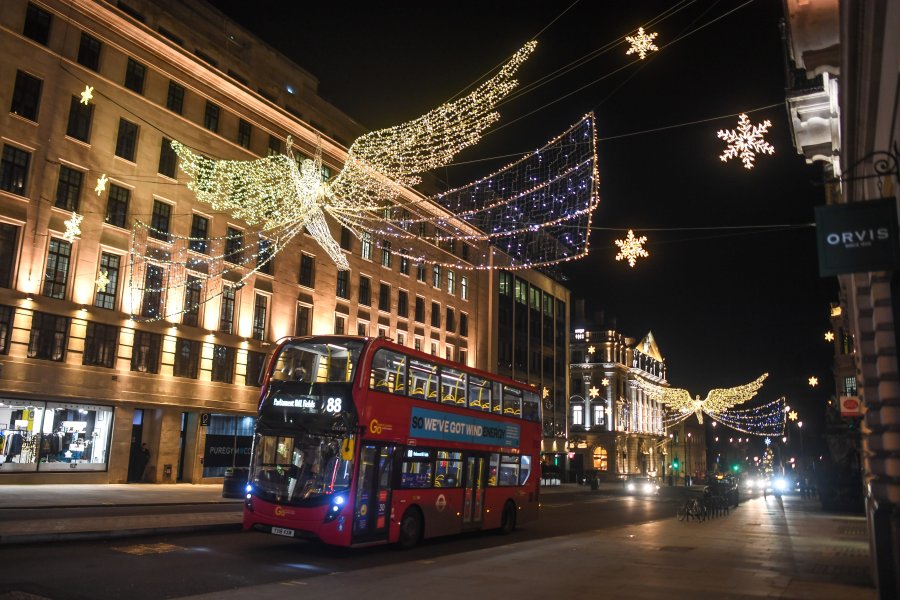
(691,509)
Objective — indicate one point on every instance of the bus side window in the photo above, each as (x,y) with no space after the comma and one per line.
(496,398)
(509,470)
(479,393)
(453,385)
(420,374)
(512,401)
(493,469)
(531,407)
(388,372)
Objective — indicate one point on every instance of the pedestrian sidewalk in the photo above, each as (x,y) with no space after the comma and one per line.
(42,513)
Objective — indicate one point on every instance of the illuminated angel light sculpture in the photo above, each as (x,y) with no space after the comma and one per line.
(536,211)
(716,404)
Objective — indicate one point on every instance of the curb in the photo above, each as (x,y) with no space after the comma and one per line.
(57,536)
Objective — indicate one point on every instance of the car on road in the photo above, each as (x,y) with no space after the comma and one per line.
(643,486)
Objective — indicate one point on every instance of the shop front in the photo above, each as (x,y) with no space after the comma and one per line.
(44,437)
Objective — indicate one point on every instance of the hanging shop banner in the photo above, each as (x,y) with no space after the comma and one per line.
(857,237)
(850,406)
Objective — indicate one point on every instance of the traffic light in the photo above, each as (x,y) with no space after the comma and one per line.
(735,468)
(675,463)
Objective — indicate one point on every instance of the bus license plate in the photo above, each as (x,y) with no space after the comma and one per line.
(283,531)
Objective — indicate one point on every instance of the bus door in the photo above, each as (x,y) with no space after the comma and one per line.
(473,498)
(371,509)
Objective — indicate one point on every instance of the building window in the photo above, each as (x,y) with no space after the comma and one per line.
(68,188)
(451,282)
(206,57)
(417,343)
(601,462)
(505,284)
(191,314)
(365,290)
(420,309)
(100,345)
(463,324)
(126,140)
(404,262)
(243,133)
(340,324)
(14,169)
(402,304)
(850,386)
(435,314)
(89,52)
(301,327)
(366,251)
(57,273)
(578,415)
(175,98)
(420,272)
(211,117)
(265,256)
(384,297)
(448,352)
(151,305)
(79,125)
(49,334)
(117,205)
(37,24)
(26,96)
(226,312)
(135,73)
(9,238)
(342,289)
(599,414)
(167,159)
(436,276)
(275,146)
(187,358)
(256,362)
(345,238)
(387,258)
(307,270)
(434,348)
(159,220)
(234,245)
(260,314)
(7,314)
(362,328)
(170,36)
(465,252)
(199,232)
(451,320)
(106,297)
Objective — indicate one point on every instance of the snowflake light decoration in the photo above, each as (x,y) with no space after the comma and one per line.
(73,227)
(813,381)
(768,441)
(746,141)
(641,43)
(631,248)
(593,392)
(793,416)
(101,184)
(87,95)
(591,350)
(545,393)
(605,381)
(102,281)
(829,336)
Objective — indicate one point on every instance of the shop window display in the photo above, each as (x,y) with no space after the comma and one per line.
(50,436)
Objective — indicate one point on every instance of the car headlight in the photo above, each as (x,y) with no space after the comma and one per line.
(780,484)
(648,488)
(629,487)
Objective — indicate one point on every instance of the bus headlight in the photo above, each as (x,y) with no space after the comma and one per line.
(334,509)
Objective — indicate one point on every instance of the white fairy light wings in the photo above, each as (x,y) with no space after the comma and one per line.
(716,403)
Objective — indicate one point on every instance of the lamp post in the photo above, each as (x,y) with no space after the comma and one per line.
(687,459)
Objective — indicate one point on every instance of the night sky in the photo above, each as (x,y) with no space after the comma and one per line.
(724,304)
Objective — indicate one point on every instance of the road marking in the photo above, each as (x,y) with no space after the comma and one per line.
(141,549)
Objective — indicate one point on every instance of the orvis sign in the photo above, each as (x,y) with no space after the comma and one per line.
(857,237)
(434,425)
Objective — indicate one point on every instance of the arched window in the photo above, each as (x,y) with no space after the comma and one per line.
(600,459)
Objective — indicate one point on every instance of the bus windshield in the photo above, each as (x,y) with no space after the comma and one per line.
(291,469)
(317,361)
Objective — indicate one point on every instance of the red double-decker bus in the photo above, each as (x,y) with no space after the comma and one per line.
(362,441)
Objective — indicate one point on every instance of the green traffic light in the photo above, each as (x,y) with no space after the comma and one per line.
(735,468)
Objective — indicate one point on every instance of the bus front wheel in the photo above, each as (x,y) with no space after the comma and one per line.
(508,521)
(410,529)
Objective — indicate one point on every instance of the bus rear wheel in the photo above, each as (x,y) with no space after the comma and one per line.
(410,529)
(508,521)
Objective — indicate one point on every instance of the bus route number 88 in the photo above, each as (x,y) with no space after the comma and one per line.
(333,405)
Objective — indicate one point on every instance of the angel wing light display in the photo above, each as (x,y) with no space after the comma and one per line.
(719,404)
(536,210)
